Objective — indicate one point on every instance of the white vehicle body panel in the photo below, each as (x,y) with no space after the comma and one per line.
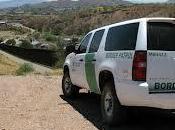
(119,63)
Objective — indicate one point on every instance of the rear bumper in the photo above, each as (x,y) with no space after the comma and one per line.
(132,93)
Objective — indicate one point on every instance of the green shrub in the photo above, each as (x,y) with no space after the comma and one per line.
(11,42)
(26,44)
(49,37)
(25,69)
(1,40)
(36,35)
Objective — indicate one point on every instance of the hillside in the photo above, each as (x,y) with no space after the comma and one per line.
(66,4)
(81,21)
(59,4)
(54,27)
(171,1)
(53,6)
(15,3)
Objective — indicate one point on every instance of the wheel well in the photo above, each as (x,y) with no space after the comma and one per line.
(104,77)
(66,69)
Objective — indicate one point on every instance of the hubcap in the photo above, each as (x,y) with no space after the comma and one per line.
(67,85)
(108,104)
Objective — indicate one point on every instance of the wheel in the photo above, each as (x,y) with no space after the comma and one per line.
(112,112)
(69,90)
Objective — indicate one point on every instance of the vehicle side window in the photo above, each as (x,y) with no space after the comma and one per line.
(122,37)
(161,36)
(84,44)
(96,41)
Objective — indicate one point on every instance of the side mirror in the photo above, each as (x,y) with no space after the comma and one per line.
(69,49)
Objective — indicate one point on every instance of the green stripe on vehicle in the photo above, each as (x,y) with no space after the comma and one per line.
(90,72)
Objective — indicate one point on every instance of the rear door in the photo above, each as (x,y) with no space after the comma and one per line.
(161,57)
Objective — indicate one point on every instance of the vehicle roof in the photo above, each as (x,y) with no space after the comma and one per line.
(134,21)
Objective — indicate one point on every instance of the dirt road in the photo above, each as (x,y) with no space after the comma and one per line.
(36,103)
(33,103)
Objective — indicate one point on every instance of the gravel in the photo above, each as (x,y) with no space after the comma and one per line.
(37,103)
(33,103)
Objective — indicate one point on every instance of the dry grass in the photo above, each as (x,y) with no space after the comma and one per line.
(11,35)
(7,66)
(55,72)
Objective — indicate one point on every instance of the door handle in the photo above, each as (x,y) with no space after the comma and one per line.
(81,60)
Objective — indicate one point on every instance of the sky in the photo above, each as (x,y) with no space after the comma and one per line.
(140,1)
(24,0)
(147,1)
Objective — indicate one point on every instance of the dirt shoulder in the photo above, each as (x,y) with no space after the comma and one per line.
(37,103)
(33,103)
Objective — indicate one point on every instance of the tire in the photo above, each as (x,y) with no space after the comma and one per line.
(69,90)
(112,112)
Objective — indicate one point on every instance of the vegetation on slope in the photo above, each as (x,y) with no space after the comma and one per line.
(81,21)
(24,69)
(7,66)
(54,27)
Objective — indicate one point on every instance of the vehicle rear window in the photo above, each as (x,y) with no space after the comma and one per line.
(122,37)
(161,36)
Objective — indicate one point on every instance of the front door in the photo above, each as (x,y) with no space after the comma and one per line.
(78,64)
(90,61)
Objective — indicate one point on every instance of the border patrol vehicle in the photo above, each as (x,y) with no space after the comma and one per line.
(131,63)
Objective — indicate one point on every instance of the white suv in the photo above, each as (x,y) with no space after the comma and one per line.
(131,63)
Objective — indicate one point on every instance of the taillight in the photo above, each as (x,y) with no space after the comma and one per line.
(139,66)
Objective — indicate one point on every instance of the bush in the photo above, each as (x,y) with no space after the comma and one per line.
(1,40)
(26,44)
(49,37)
(11,42)
(25,69)
(36,35)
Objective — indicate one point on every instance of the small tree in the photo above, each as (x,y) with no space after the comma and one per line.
(1,40)
(25,69)
(11,42)
(36,35)
(49,37)
(26,44)
(60,53)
